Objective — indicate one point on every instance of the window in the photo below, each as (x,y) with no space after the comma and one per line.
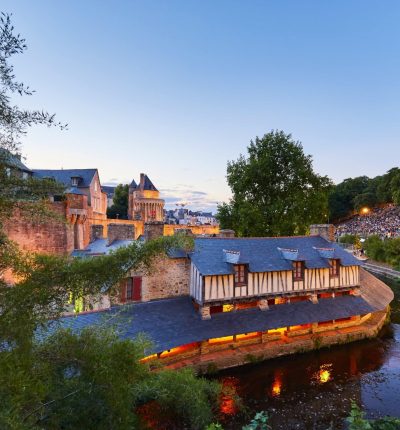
(129,289)
(298,271)
(240,274)
(334,268)
(74,181)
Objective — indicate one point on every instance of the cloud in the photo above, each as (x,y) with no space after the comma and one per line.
(185,195)
(180,194)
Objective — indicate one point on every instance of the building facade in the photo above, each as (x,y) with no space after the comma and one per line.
(144,201)
(231,298)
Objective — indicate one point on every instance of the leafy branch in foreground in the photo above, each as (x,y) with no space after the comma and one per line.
(13,120)
(47,281)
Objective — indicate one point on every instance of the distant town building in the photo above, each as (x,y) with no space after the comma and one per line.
(86,181)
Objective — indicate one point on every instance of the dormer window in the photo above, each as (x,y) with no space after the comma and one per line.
(240,274)
(298,270)
(334,268)
(75,181)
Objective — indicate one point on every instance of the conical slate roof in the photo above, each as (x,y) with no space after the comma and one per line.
(146,184)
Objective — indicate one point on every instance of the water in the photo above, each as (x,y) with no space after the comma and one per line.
(315,390)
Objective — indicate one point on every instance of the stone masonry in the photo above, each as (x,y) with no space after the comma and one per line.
(120,232)
(168,277)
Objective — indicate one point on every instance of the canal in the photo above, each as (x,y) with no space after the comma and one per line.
(315,390)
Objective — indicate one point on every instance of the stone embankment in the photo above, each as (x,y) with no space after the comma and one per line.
(286,345)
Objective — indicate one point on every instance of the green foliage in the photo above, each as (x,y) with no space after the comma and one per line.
(68,380)
(214,426)
(357,421)
(352,194)
(47,281)
(350,239)
(76,381)
(181,395)
(383,250)
(259,422)
(14,123)
(119,208)
(275,190)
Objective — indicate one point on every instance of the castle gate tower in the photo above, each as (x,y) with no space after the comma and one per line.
(144,201)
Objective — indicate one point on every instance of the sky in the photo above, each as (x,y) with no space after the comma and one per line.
(175,89)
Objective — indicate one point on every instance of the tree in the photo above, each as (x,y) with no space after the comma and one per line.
(352,194)
(13,120)
(61,379)
(14,123)
(275,189)
(119,208)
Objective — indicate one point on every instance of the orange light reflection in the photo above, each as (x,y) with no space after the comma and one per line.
(228,402)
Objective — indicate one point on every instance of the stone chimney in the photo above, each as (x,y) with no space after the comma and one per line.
(153,230)
(141,183)
(96,232)
(327,231)
(120,232)
(226,233)
(183,232)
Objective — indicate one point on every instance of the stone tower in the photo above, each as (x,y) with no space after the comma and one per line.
(144,201)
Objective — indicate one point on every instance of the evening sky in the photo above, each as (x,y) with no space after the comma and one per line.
(176,88)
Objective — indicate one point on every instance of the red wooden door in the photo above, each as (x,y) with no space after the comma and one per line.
(137,288)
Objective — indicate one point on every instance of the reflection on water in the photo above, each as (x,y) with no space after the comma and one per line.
(228,403)
(315,390)
(324,373)
(277,384)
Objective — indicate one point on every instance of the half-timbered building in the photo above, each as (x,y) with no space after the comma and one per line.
(231,271)
(259,297)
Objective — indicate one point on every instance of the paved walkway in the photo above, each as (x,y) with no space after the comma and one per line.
(382,270)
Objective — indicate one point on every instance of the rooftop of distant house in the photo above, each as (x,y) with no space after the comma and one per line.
(64,176)
(13,160)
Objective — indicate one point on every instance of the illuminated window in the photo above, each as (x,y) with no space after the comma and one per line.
(334,268)
(240,275)
(298,271)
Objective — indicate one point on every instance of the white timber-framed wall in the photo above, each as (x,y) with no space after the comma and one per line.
(211,288)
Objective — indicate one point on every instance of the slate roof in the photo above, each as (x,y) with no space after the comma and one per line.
(109,190)
(64,175)
(265,254)
(74,190)
(173,322)
(99,247)
(133,184)
(12,160)
(146,184)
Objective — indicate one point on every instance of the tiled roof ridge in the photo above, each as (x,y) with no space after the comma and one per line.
(63,170)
